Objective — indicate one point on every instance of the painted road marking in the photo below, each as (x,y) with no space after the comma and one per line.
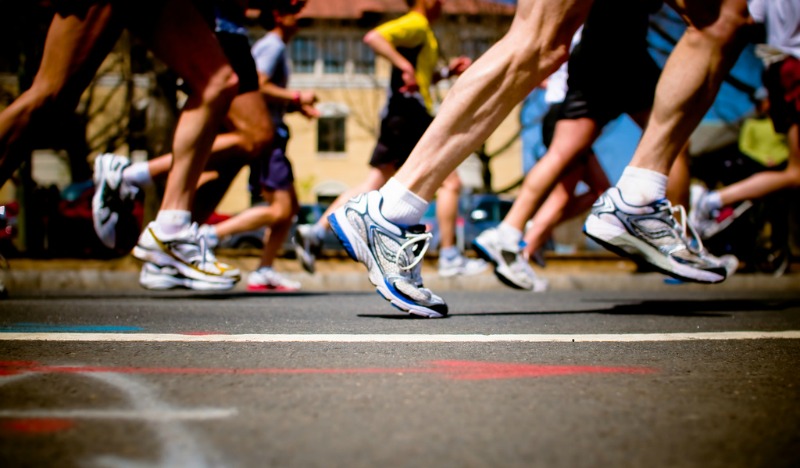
(193,414)
(456,370)
(401,338)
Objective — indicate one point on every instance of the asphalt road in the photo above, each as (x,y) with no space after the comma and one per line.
(562,379)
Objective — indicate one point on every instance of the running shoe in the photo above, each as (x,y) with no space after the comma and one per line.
(461,266)
(652,234)
(157,277)
(709,223)
(391,253)
(510,266)
(113,203)
(267,279)
(307,246)
(186,252)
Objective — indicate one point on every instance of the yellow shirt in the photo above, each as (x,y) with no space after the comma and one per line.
(412,36)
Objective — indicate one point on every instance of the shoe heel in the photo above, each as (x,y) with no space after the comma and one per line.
(337,229)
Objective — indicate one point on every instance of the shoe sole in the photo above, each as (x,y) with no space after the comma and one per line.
(486,255)
(261,288)
(158,282)
(97,198)
(164,259)
(620,242)
(344,233)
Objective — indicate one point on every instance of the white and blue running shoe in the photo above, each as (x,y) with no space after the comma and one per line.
(651,233)
(391,253)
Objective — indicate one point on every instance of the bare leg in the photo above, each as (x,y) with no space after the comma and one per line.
(278,231)
(74,49)
(562,204)
(249,133)
(283,205)
(691,78)
(184,42)
(375,179)
(572,138)
(447,210)
(535,46)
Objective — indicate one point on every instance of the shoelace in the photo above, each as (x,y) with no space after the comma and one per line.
(683,224)
(416,238)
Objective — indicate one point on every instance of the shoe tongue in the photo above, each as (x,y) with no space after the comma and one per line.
(416,229)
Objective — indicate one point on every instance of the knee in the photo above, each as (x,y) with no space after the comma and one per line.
(725,27)
(221,87)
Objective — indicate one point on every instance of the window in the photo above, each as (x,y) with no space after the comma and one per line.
(330,134)
(334,55)
(303,54)
(363,58)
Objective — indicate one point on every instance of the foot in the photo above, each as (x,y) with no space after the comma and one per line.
(510,266)
(391,253)
(652,234)
(112,203)
(156,277)
(306,246)
(708,223)
(461,265)
(267,279)
(187,253)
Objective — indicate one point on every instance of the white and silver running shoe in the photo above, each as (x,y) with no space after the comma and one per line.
(391,253)
(306,246)
(652,234)
(510,266)
(461,266)
(113,203)
(187,253)
(155,277)
(267,279)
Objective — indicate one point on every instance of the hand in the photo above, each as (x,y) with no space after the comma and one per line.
(308,98)
(308,111)
(458,65)
(410,82)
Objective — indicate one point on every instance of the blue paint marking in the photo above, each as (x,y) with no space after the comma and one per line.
(51,328)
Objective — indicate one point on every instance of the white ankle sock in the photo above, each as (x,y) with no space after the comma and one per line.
(510,236)
(172,221)
(138,174)
(712,201)
(400,205)
(642,186)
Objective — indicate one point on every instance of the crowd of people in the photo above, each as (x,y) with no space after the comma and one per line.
(593,54)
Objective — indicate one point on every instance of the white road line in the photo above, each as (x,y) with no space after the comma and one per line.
(194,414)
(391,338)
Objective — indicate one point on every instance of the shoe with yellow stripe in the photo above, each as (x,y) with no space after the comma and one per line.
(188,254)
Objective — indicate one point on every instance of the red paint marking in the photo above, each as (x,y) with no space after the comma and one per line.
(37,425)
(457,370)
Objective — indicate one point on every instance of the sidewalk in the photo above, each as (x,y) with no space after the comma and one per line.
(597,272)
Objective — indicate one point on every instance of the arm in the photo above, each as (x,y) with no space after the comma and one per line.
(301,101)
(385,49)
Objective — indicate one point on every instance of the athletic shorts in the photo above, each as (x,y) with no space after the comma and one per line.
(273,171)
(237,50)
(782,81)
(403,124)
(604,97)
(549,123)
